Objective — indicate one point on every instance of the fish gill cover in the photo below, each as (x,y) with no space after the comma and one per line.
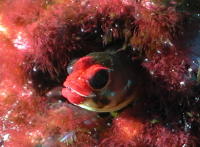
(39,38)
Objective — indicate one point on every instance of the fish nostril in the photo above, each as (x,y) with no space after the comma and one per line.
(70,66)
(69,69)
(99,79)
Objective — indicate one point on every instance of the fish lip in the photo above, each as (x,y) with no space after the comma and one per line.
(80,94)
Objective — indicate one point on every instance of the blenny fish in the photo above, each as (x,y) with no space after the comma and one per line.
(103,81)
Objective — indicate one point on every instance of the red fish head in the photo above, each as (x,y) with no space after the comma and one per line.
(101,82)
(85,78)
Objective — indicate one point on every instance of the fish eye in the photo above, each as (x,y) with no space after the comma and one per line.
(100,79)
(70,66)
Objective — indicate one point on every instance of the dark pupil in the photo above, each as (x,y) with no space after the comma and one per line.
(99,80)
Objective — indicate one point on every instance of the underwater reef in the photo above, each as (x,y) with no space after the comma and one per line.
(40,38)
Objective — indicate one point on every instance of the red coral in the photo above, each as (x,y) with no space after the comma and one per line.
(136,127)
(22,12)
(156,29)
(172,68)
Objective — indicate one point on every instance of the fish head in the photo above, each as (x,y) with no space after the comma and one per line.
(96,83)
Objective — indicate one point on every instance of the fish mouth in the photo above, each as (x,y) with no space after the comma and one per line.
(91,95)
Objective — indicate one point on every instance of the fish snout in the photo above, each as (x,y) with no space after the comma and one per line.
(82,84)
(75,96)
